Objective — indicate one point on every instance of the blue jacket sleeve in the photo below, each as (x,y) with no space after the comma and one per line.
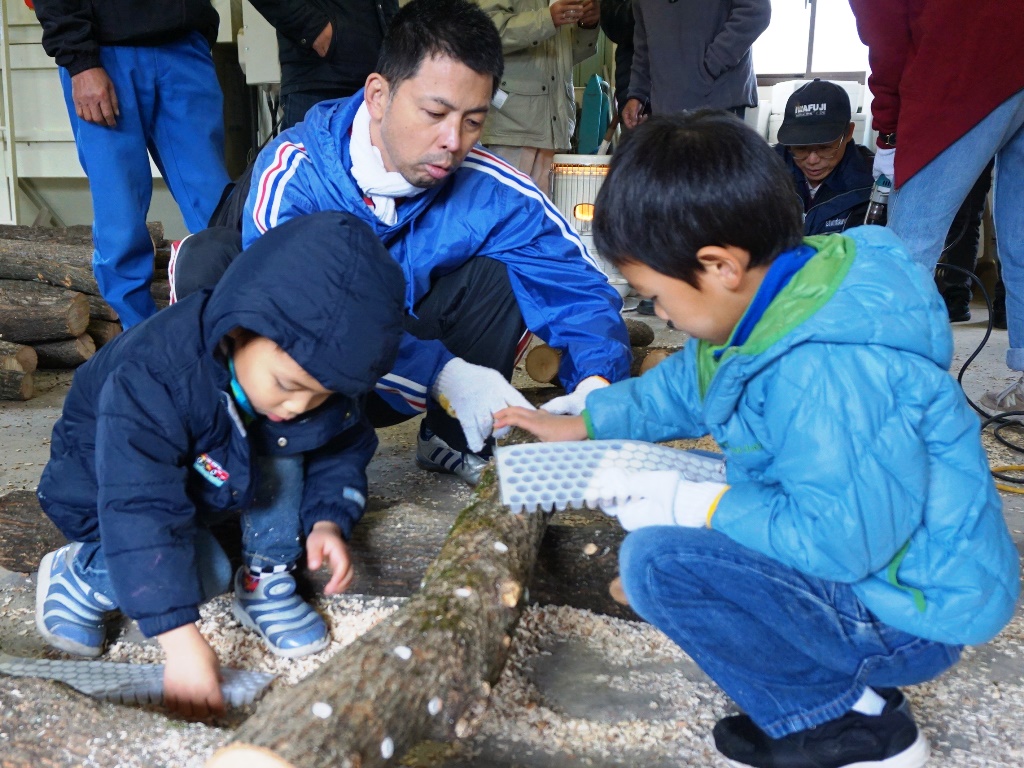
(279,191)
(833,503)
(663,404)
(564,297)
(336,485)
(147,521)
(406,387)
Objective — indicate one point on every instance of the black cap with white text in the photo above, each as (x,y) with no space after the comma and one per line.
(817,113)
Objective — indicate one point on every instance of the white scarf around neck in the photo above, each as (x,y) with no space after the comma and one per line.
(375,181)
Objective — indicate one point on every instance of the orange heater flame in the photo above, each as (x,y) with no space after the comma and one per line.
(583,211)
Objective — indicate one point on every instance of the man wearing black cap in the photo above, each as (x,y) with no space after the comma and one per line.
(831,174)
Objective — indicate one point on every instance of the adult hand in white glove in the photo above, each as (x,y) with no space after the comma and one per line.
(472,394)
(885,162)
(574,403)
(655,497)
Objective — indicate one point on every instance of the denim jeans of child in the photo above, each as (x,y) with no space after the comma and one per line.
(791,650)
(271,533)
(921,209)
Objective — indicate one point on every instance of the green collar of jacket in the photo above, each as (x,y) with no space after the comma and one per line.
(804,295)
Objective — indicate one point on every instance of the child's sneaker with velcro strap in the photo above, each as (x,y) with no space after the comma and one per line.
(271,605)
(70,615)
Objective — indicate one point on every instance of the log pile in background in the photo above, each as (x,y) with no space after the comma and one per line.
(542,361)
(50,302)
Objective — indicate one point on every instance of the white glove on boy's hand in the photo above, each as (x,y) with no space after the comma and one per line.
(656,497)
(472,394)
(885,163)
(574,403)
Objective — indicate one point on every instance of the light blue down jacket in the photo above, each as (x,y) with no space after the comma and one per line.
(851,453)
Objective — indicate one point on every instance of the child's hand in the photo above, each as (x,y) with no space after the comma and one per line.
(547,426)
(324,543)
(191,674)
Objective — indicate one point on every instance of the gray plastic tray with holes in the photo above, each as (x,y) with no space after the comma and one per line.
(549,476)
(128,683)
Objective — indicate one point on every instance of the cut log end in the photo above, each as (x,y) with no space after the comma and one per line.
(246,756)
(542,364)
(16,385)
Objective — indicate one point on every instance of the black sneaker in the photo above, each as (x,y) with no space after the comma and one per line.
(645,307)
(999,317)
(888,740)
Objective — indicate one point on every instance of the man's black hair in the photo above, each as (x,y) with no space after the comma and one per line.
(457,29)
(681,182)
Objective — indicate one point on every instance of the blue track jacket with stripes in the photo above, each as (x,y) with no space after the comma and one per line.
(486,208)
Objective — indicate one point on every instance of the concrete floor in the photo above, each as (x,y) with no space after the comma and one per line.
(570,679)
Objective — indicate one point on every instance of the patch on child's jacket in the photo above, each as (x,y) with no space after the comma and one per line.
(353,495)
(211,470)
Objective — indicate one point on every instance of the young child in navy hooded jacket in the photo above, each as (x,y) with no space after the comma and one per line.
(159,438)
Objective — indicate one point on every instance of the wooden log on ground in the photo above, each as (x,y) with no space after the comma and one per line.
(76,234)
(16,385)
(645,358)
(36,312)
(102,331)
(17,357)
(100,310)
(420,674)
(66,353)
(55,263)
(640,333)
(542,363)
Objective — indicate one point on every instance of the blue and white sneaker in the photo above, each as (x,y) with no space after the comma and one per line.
(70,615)
(435,455)
(270,605)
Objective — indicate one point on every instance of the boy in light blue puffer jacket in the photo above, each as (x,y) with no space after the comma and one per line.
(859,542)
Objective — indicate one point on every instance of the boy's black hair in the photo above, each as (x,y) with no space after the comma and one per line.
(457,29)
(681,182)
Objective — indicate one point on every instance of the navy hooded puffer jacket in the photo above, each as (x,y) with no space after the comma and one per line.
(150,442)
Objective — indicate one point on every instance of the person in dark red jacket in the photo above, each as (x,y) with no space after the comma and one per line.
(948,86)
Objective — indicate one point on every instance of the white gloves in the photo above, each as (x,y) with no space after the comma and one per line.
(472,394)
(654,497)
(885,161)
(574,403)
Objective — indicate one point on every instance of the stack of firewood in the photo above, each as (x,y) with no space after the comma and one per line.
(50,303)
(542,361)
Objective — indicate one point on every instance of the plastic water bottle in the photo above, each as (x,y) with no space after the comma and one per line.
(878,202)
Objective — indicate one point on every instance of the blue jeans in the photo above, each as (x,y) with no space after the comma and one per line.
(791,650)
(272,528)
(921,209)
(171,106)
(271,533)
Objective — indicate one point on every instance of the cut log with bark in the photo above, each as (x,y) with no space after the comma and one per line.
(67,353)
(100,310)
(425,672)
(640,333)
(52,263)
(16,385)
(37,312)
(102,331)
(542,364)
(542,361)
(645,358)
(17,357)
(76,234)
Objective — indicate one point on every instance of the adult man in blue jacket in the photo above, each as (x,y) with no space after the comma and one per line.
(486,255)
(832,175)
